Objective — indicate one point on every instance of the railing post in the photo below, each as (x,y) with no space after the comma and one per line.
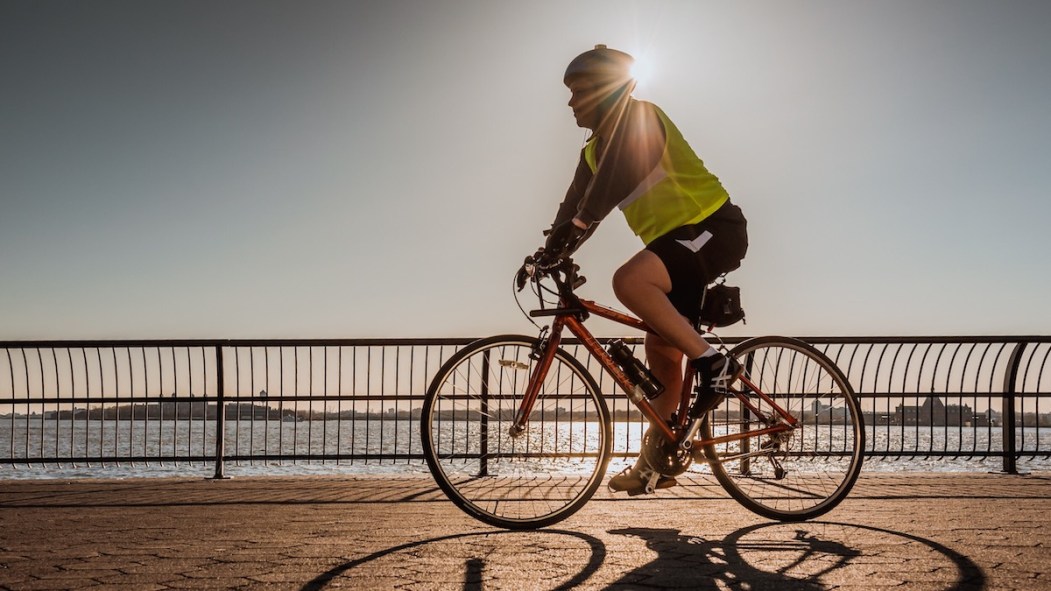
(1008,409)
(483,435)
(745,465)
(220,415)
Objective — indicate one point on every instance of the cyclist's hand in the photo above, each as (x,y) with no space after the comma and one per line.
(547,260)
(562,241)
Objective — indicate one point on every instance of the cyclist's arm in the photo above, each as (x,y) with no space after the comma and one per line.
(569,207)
(635,150)
(568,213)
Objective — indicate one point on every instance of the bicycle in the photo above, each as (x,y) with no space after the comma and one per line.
(518,435)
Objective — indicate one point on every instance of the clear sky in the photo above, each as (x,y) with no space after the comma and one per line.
(244,169)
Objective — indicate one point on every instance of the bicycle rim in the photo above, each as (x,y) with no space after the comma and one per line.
(813,467)
(537,478)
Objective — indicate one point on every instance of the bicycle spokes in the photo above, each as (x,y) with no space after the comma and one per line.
(508,467)
(789,445)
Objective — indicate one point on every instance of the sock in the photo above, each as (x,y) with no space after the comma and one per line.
(711,352)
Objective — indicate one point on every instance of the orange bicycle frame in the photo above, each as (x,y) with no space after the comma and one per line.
(572,318)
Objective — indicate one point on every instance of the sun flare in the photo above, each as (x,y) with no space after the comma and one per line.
(642,72)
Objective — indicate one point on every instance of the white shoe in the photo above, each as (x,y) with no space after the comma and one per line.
(638,478)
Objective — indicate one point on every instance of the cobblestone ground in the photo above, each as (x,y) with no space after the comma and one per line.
(900,531)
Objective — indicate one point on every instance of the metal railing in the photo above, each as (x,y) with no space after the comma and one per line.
(358,401)
(951,396)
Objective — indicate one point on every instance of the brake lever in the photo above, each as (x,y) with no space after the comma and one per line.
(525,273)
(572,278)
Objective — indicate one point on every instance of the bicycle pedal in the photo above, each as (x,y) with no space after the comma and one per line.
(651,481)
(657,481)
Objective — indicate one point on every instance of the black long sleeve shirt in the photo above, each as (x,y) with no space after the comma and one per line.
(634,149)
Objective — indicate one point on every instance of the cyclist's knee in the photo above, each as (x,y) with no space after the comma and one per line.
(623,283)
(640,273)
(657,345)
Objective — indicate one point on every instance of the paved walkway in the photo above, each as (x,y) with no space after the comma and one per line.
(902,531)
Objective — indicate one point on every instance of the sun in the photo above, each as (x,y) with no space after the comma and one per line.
(642,72)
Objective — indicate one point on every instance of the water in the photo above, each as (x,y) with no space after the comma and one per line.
(165,441)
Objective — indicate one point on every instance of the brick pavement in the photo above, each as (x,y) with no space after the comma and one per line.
(896,531)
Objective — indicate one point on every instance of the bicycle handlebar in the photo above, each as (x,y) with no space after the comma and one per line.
(564,273)
(564,267)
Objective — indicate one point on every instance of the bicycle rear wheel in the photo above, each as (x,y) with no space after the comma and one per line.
(528,480)
(798,474)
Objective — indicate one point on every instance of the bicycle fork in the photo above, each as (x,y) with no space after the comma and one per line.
(544,353)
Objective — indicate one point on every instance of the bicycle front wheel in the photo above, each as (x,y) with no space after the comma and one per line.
(797,474)
(515,480)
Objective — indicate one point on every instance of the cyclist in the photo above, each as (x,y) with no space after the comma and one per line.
(637,160)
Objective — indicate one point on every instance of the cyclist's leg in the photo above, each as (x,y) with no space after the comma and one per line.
(642,284)
(692,257)
(635,479)
(665,361)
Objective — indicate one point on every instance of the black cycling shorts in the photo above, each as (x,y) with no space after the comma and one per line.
(698,254)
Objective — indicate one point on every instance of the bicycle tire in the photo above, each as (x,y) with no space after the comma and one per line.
(819,460)
(526,482)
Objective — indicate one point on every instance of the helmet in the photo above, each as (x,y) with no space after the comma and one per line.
(605,65)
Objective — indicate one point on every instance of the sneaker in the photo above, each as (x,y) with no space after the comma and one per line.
(722,372)
(715,375)
(634,480)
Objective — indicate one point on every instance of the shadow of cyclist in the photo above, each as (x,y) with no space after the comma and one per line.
(809,556)
(699,563)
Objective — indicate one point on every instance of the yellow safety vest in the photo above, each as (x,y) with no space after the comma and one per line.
(678,192)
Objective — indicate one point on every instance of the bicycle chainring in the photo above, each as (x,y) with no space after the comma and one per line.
(665,457)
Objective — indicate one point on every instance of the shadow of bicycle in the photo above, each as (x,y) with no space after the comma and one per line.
(800,556)
(552,559)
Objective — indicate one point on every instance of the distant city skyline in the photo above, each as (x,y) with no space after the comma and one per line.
(933,411)
(273,169)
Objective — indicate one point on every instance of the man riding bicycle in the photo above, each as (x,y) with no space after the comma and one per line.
(637,160)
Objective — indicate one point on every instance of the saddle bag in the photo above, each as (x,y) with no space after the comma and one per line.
(721,306)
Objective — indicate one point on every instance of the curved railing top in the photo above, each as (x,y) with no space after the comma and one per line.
(911,365)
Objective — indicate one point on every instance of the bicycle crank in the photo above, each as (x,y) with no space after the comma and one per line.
(663,456)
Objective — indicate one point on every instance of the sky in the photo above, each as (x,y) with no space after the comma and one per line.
(262,169)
